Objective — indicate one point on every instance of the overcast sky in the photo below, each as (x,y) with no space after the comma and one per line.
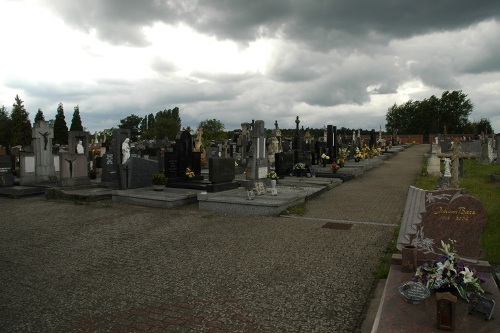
(334,62)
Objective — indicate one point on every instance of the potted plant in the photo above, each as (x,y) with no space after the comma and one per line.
(335,166)
(158,180)
(273,176)
(299,169)
(189,173)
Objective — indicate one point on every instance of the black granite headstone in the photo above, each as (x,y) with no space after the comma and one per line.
(221,170)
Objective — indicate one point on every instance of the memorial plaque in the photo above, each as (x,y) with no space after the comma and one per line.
(171,164)
(262,172)
(414,292)
(481,305)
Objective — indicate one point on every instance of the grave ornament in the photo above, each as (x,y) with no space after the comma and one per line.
(125,150)
(455,155)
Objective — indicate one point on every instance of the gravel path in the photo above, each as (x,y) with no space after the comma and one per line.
(110,267)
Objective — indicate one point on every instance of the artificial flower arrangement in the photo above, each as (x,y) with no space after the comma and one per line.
(449,272)
(342,155)
(299,166)
(358,156)
(189,173)
(158,179)
(272,175)
(335,166)
(325,156)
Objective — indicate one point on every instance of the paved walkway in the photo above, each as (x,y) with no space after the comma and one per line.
(103,267)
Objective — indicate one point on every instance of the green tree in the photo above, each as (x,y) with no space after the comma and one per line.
(5,128)
(431,115)
(60,127)
(76,122)
(20,124)
(147,127)
(484,126)
(39,115)
(132,123)
(454,110)
(213,129)
(167,124)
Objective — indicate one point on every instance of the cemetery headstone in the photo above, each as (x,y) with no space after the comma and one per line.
(73,169)
(258,162)
(434,216)
(221,170)
(43,133)
(183,157)
(243,142)
(6,175)
(138,172)
(497,143)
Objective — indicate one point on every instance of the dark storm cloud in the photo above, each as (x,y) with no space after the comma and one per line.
(321,24)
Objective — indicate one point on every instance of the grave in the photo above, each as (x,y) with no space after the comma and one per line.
(497,143)
(183,157)
(138,171)
(284,163)
(434,216)
(6,175)
(180,159)
(113,172)
(258,164)
(455,155)
(429,217)
(73,169)
(38,167)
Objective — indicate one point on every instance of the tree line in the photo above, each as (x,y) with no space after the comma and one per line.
(15,127)
(447,114)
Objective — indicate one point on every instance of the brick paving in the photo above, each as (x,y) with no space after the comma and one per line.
(107,267)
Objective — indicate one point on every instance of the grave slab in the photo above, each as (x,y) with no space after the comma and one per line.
(15,192)
(396,315)
(169,198)
(291,191)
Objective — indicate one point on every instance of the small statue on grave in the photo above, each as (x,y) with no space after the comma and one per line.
(79,147)
(45,139)
(447,167)
(70,162)
(125,150)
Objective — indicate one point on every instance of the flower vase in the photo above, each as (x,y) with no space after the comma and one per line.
(158,187)
(273,183)
(324,163)
(341,164)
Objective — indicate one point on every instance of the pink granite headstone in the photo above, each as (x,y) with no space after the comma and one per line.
(434,216)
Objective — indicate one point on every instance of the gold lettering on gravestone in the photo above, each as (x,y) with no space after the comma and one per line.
(460,214)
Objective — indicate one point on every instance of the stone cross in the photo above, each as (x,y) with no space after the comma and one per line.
(455,155)
(226,148)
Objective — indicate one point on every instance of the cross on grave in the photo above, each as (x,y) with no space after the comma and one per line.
(226,147)
(455,157)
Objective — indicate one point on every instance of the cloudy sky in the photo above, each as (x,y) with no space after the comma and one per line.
(327,61)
